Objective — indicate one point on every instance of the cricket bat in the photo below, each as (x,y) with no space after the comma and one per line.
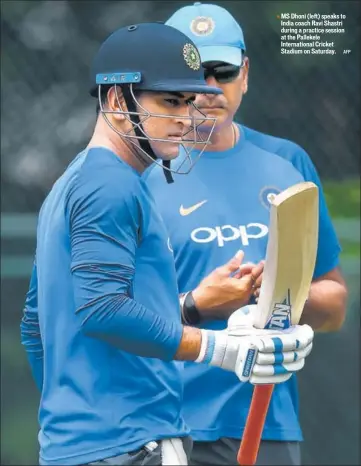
(287,276)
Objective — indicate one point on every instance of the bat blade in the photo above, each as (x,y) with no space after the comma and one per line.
(287,276)
(290,256)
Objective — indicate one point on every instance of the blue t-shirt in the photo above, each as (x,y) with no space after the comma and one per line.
(103,293)
(220,207)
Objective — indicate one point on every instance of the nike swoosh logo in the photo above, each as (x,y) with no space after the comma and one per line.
(183,211)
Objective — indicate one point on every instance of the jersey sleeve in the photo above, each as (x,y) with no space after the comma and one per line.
(30,331)
(105,225)
(328,245)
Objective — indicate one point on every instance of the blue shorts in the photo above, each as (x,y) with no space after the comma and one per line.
(224,451)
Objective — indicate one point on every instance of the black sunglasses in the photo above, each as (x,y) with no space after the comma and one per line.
(222,73)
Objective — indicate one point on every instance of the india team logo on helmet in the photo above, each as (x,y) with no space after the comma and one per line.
(191,57)
(202,26)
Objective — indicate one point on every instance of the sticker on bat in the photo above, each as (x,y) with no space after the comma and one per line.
(281,314)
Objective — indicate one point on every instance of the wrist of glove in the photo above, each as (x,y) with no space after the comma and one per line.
(256,355)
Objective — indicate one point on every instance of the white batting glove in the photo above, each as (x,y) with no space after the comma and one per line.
(257,356)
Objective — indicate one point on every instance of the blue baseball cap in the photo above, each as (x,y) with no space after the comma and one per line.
(152,57)
(213,29)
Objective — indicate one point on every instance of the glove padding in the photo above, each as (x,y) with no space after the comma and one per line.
(257,355)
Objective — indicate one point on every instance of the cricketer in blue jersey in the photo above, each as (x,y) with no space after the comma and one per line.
(102,325)
(223,205)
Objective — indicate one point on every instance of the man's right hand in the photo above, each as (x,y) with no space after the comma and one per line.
(227,288)
(257,356)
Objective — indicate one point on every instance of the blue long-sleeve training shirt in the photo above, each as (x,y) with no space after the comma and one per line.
(101,322)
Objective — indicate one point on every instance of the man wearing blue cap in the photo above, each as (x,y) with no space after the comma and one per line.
(221,206)
(101,324)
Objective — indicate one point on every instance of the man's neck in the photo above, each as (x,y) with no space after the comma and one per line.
(223,138)
(106,137)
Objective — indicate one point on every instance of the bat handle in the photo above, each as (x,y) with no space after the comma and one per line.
(248,450)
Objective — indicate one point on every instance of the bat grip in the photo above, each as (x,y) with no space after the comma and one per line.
(251,439)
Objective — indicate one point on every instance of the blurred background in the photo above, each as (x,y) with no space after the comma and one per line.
(48,117)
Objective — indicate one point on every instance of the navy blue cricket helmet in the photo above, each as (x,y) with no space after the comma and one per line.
(151,57)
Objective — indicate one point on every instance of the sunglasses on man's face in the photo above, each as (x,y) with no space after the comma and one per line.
(222,73)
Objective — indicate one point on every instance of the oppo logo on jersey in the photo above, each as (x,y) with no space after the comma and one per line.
(225,233)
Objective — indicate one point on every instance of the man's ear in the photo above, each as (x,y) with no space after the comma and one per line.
(245,71)
(116,102)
